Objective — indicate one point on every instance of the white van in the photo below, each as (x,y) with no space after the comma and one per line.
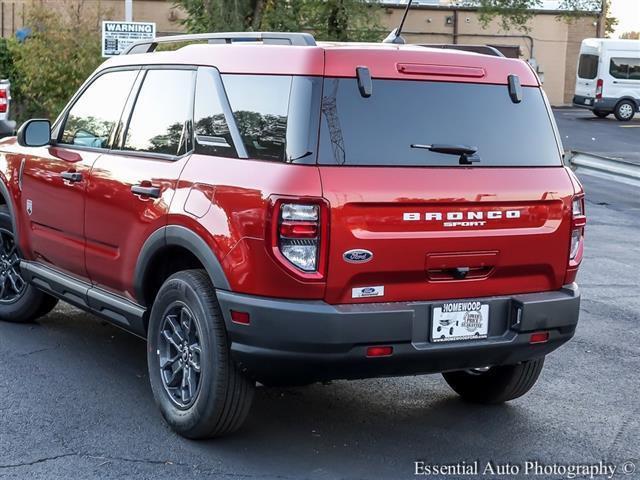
(608,79)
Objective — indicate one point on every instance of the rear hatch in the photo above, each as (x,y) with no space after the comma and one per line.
(414,224)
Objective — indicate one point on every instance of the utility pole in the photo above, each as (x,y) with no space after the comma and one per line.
(128,10)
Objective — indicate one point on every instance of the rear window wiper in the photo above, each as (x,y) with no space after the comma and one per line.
(467,153)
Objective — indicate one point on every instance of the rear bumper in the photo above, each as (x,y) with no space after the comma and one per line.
(290,341)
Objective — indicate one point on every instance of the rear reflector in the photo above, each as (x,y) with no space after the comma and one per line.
(240,317)
(379,351)
(539,337)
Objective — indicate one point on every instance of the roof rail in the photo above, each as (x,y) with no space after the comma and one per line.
(272,38)
(482,49)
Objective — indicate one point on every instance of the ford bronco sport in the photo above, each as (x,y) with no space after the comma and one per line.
(284,211)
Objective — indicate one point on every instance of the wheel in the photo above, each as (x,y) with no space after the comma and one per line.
(601,114)
(625,110)
(496,384)
(19,302)
(196,385)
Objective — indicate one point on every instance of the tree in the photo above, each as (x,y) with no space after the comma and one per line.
(630,36)
(517,13)
(63,49)
(328,20)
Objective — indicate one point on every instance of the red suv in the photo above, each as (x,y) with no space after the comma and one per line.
(265,208)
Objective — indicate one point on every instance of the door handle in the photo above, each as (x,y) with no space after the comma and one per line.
(73,177)
(146,191)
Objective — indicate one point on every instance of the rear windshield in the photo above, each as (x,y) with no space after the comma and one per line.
(380,130)
(588,66)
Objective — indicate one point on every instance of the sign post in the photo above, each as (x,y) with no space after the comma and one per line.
(118,36)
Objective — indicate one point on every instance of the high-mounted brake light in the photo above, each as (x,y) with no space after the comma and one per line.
(599,88)
(4,102)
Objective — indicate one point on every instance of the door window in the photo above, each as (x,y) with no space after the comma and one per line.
(161,118)
(94,116)
(588,66)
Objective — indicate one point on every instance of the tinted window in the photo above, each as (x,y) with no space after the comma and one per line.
(213,136)
(95,114)
(588,66)
(260,105)
(161,118)
(380,130)
(625,68)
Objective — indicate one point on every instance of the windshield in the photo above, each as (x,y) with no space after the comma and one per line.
(381,129)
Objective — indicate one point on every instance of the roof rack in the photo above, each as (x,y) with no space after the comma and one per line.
(272,38)
(483,49)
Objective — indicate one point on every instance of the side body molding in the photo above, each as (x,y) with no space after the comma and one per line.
(174,235)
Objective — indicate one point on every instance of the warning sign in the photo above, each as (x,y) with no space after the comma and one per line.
(117,36)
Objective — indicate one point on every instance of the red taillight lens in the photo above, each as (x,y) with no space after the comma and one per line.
(599,87)
(578,222)
(3,101)
(299,229)
(379,351)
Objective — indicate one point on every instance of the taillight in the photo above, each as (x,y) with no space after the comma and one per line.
(599,87)
(578,222)
(299,236)
(4,102)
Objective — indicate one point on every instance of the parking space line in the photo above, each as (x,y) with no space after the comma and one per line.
(629,126)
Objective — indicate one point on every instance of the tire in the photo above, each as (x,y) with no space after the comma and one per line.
(214,401)
(497,385)
(19,302)
(601,114)
(625,110)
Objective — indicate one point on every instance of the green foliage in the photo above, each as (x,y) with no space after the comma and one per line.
(52,63)
(515,14)
(342,20)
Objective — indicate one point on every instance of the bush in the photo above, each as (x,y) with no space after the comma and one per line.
(63,49)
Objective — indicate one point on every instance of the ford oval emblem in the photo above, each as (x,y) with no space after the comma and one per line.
(357,256)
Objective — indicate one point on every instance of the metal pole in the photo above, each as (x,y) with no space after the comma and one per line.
(128,10)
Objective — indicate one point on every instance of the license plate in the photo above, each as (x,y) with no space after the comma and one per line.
(587,101)
(456,321)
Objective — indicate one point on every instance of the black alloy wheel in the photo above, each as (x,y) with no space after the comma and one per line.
(12,285)
(179,355)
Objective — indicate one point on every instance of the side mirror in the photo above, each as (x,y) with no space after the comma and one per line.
(35,133)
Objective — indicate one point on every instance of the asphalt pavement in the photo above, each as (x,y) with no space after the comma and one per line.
(581,130)
(76,401)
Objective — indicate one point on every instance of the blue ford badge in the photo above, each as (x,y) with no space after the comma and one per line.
(357,256)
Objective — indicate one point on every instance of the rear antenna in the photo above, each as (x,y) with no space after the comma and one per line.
(394,36)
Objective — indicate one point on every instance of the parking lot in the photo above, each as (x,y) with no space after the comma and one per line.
(76,401)
(583,131)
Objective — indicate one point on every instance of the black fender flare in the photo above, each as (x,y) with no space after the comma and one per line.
(175,235)
(4,191)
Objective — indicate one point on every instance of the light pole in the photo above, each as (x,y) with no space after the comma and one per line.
(128,10)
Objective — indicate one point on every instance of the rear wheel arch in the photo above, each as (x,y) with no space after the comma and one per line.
(5,200)
(171,249)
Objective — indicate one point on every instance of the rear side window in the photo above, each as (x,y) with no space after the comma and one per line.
(93,117)
(625,68)
(161,118)
(260,105)
(213,135)
(588,66)
(380,130)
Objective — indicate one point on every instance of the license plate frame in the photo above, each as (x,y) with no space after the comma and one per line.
(459,321)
